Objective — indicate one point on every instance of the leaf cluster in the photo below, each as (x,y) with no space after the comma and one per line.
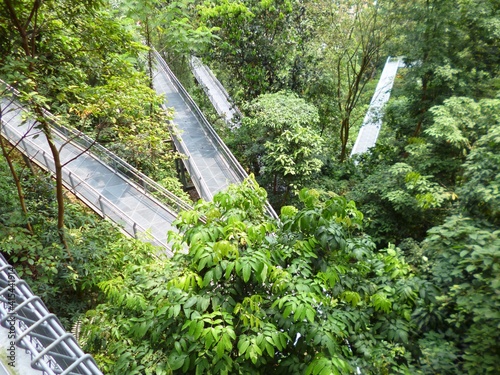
(279,140)
(244,294)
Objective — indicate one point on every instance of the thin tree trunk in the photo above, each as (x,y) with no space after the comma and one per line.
(29,164)
(59,180)
(418,128)
(17,181)
(150,53)
(344,138)
(427,35)
(28,40)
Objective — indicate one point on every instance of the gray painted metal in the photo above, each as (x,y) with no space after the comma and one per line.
(217,94)
(53,350)
(369,131)
(204,158)
(209,161)
(103,188)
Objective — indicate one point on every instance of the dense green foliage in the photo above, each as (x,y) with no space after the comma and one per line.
(307,295)
(258,40)
(464,262)
(280,141)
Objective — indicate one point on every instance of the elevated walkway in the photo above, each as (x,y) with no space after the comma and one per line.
(210,163)
(217,94)
(42,346)
(369,131)
(107,184)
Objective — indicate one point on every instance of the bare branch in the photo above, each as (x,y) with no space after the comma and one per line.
(81,153)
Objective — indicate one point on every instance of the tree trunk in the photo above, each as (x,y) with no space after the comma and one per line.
(59,180)
(150,52)
(422,111)
(344,137)
(29,41)
(29,164)
(17,181)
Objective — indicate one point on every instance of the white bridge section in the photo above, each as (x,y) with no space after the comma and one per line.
(369,131)
(217,94)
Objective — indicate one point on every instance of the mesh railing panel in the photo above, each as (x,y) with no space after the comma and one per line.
(52,350)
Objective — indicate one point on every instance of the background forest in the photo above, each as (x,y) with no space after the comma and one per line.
(380,264)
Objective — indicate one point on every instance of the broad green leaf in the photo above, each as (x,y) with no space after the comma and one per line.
(176,360)
(247,271)
(243,345)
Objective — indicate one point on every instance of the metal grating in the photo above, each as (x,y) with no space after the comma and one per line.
(52,349)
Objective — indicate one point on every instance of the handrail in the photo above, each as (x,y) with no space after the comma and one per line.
(122,166)
(193,170)
(26,315)
(132,228)
(195,62)
(117,163)
(234,166)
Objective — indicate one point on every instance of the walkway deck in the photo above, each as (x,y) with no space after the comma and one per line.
(210,170)
(372,123)
(103,187)
(210,163)
(217,94)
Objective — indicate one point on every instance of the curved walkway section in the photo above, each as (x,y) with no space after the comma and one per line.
(369,131)
(209,161)
(209,168)
(34,329)
(101,186)
(216,93)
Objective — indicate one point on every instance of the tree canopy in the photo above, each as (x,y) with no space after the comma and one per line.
(306,295)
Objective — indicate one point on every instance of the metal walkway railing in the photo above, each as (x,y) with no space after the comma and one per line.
(116,163)
(52,350)
(369,131)
(115,190)
(209,161)
(217,94)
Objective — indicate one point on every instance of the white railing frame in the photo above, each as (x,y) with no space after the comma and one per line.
(17,303)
